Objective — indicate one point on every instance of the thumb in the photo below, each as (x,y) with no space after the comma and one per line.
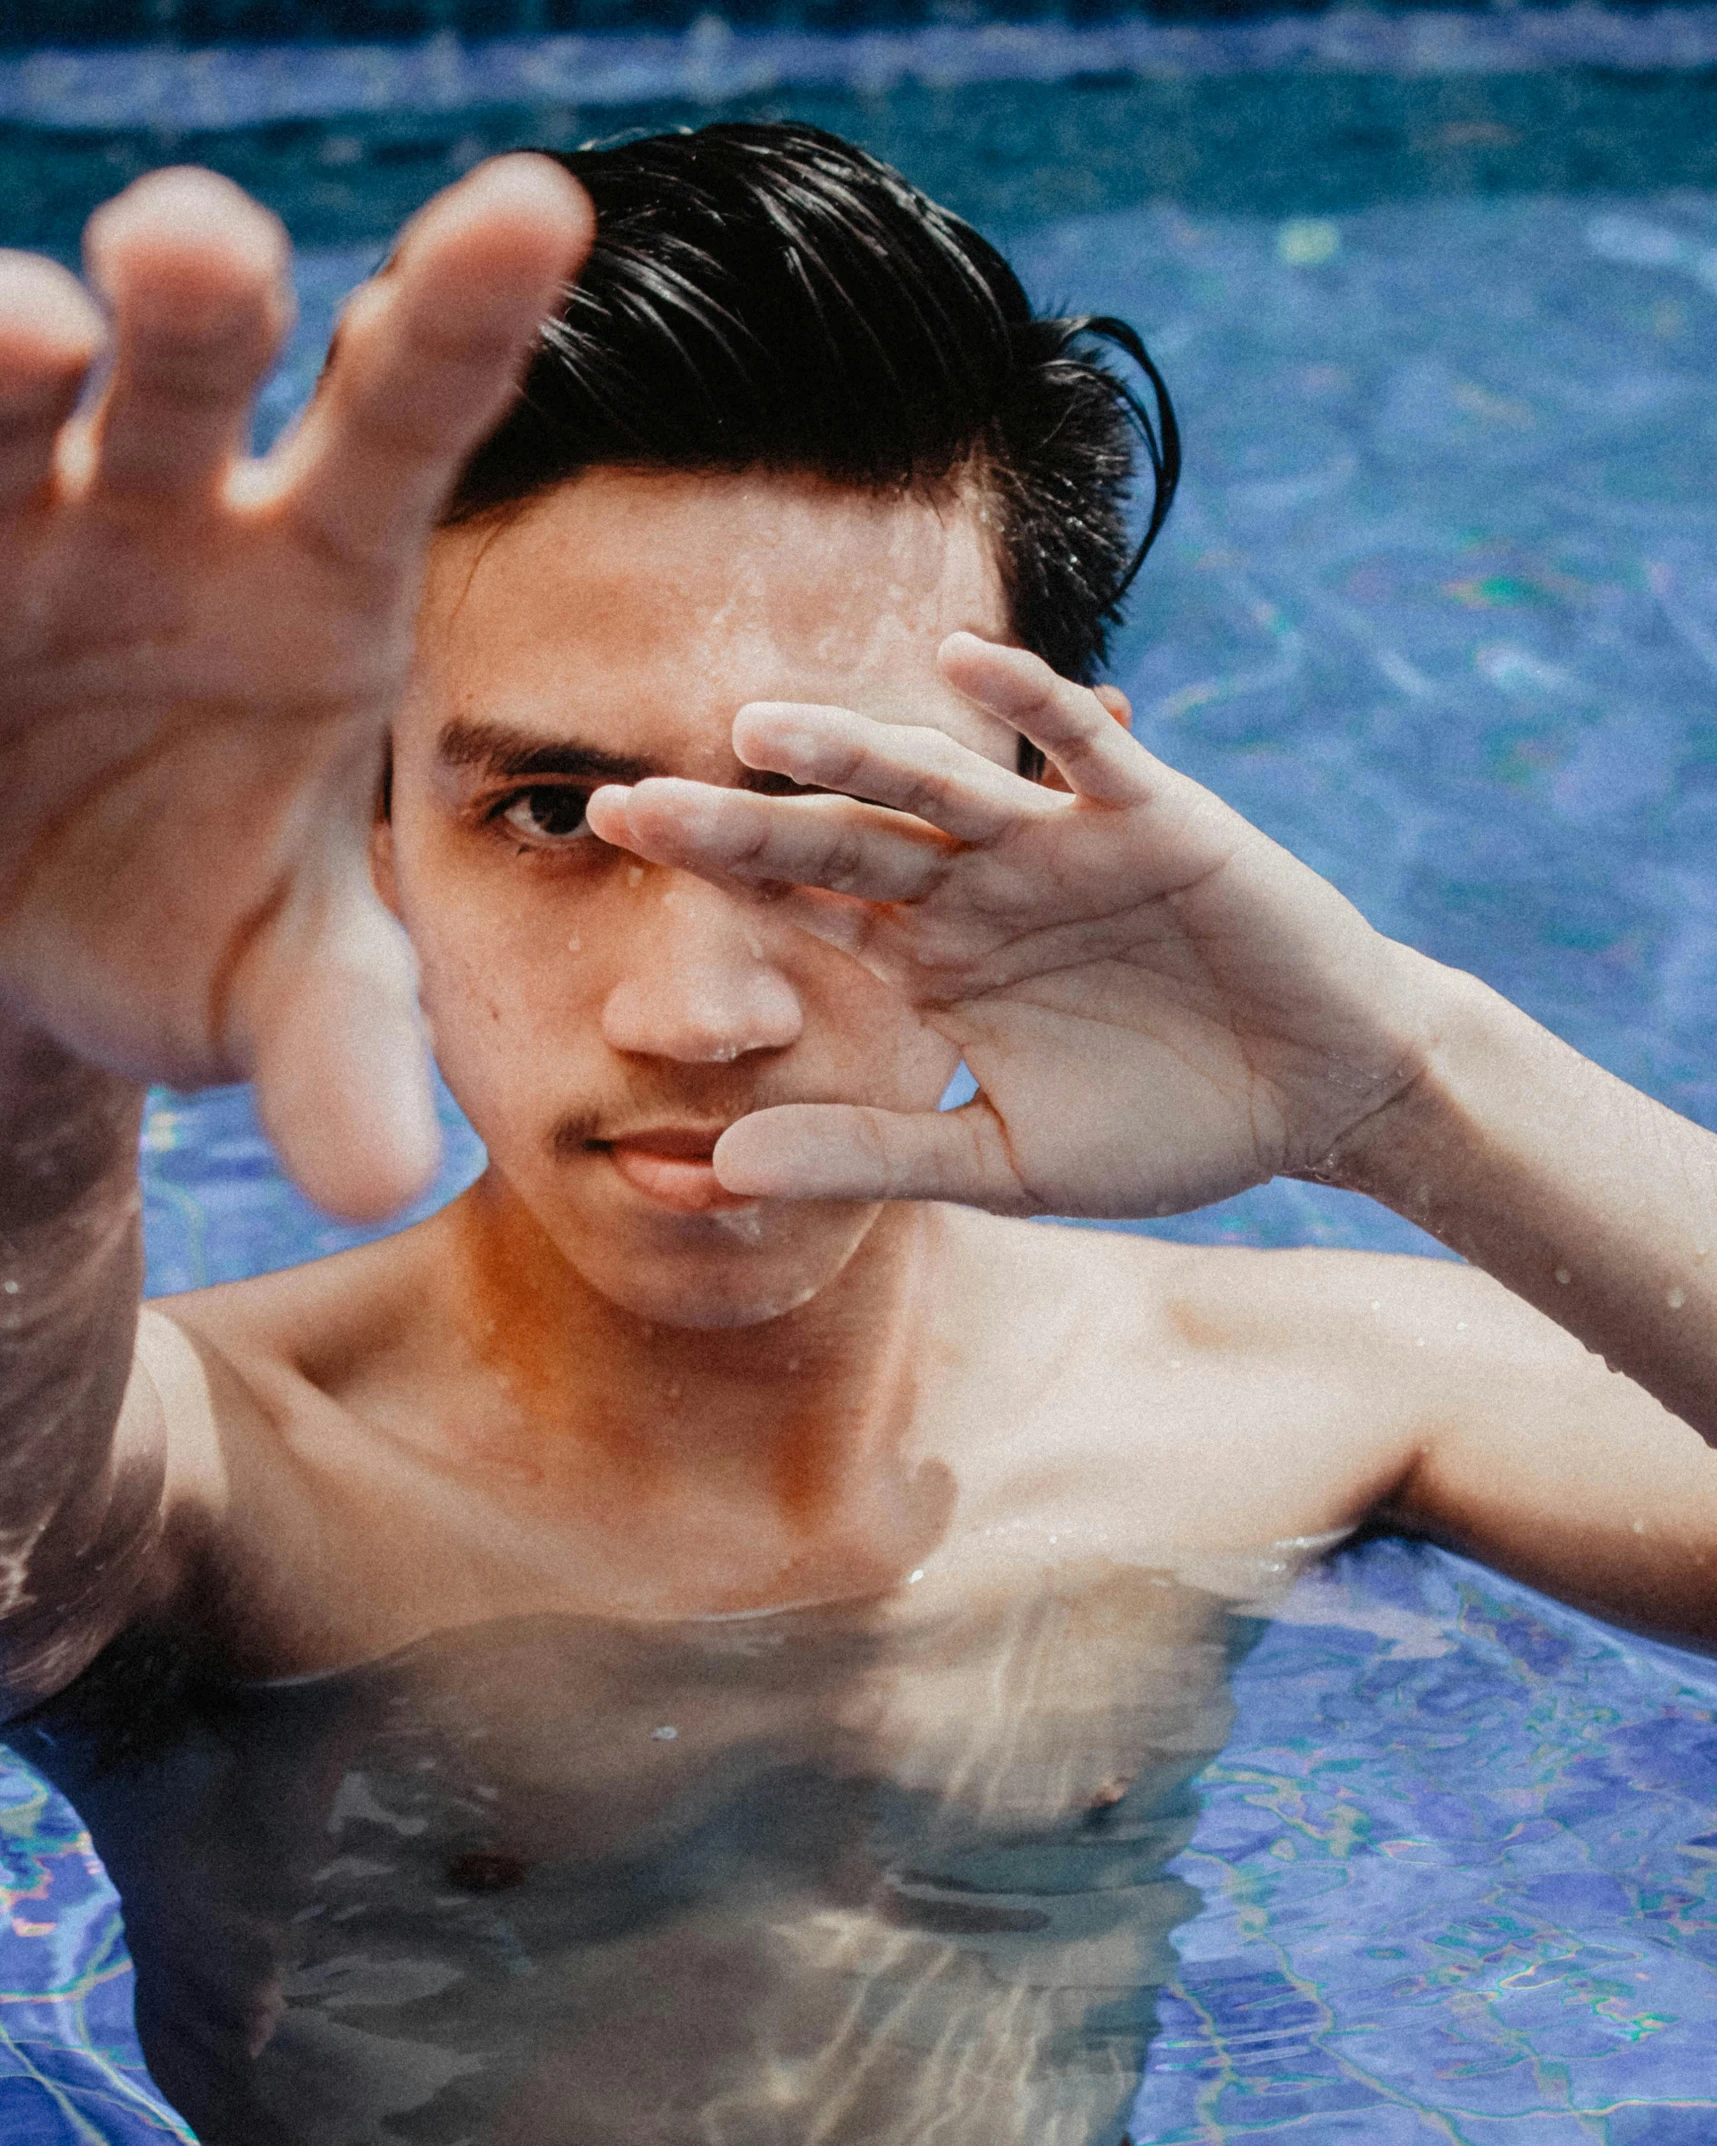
(327,1008)
(846,1151)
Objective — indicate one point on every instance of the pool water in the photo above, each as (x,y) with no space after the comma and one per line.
(1438,608)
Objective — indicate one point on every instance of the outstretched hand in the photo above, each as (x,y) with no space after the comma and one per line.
(200,652)
(1160,1006)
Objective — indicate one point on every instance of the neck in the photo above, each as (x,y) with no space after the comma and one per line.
(795,1435)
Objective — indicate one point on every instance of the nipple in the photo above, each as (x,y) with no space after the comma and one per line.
(486,1871)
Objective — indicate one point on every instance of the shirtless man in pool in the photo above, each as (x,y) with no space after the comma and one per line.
(704,1639)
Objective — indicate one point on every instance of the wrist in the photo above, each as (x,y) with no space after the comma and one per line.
(1475,1070)
(1583,1196)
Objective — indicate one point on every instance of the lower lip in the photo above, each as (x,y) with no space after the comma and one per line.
(690,1188)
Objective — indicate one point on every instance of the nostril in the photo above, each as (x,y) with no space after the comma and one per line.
(704,1018)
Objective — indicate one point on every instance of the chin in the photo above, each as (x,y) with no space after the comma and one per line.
(715,1296)
(746,1280)
(713,1309)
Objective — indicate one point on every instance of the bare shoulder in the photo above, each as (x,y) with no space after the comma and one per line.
(309,1321)
(1238,1301)
(1347,1363)
(268,1471)
(1344,1305)
(244,1370)
(1050,1285)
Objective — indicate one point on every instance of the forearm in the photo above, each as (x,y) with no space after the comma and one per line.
(70,1283)
(1574,1190)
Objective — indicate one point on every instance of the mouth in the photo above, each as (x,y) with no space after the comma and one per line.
(671,1165)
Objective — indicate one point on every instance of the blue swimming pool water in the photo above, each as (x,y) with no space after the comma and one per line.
(1438,609)
(1457,1865)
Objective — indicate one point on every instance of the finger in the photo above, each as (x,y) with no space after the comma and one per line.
(195,274)
(846,1151)
(830,842)
(1099,759)
(429,353)
(49,336)
(336,1047)
(909,767)
(836,919)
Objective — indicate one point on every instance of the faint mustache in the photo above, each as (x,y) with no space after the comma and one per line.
(574,1134)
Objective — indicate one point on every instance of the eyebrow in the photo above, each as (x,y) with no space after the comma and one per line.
(504,754)
(508,755)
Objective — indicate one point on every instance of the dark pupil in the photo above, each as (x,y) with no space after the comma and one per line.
(557,811)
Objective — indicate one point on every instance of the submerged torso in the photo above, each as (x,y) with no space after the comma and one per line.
(838,1876)
(446,1811)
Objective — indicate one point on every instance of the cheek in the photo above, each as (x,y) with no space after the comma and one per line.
(876,1048)
(505,981)
(468,978)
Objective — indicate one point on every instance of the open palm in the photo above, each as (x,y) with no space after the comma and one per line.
(1160,1005)
(201,652)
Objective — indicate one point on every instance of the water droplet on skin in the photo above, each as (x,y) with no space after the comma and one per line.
(1563,1276)
(634,875)
(754,946)
(11,1288)
(913,1578)
(675,1389)
(745,1223)
(1701,1251)
(1418,1341)
(1376,1304)
(1460,1326)
(1676,1298)
(1639,1527)
(792,1363)
(664,1735)
(575,945)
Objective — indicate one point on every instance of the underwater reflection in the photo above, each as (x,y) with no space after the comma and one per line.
(889,1871)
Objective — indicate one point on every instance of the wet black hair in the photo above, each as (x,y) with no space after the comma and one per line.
(768,297)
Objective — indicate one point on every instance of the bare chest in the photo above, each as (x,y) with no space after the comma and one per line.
(371,1542)
(860,1864)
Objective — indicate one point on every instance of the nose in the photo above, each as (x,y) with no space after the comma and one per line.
(698,985)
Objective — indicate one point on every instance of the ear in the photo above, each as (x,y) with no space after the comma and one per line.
(382,874)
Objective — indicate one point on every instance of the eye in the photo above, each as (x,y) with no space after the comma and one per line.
(551,815)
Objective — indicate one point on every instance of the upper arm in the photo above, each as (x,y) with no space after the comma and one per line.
(1531,1455)
(70,1581)
(115,1550)
(175,1373)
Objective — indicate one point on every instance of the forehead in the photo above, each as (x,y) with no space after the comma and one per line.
(640,610)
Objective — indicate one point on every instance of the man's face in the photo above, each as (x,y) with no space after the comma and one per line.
(601,1021)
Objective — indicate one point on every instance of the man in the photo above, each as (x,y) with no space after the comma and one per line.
(704,1639)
